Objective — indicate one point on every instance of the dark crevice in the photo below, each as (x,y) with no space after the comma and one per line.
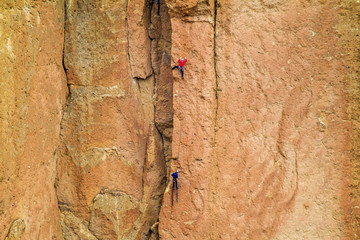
(78,85)
(156,76)
(158,3)
(142,79)
(215,162)
(63,61)
(127,36)
(196,21)
(215,70)
(62,206)
(158,7)
(68,93)
(162,143)
(144,169)
(156,25)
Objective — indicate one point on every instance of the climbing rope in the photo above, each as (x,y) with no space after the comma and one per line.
(177,158)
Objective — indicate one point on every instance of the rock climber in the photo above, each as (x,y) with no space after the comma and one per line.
(175,177)
(181,65)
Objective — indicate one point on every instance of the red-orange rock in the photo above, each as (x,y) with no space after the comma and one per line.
(32,97)
(111,169)
(261,126)
(264,127)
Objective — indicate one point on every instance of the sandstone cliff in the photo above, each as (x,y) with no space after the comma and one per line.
(33,93)
(263,128)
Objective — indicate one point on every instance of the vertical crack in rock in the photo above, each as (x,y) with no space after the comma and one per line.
(215,168)
(233,111)
(64,67)
(194,123)
(127,35)
(215,70)
(160,56)
(159,34)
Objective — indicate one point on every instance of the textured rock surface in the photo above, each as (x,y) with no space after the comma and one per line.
(289,147)
(194,121)
(266,144)
(264,127)
(16,230)
(111,169)
(32,96)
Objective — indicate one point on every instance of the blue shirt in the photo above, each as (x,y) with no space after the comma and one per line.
(175,175)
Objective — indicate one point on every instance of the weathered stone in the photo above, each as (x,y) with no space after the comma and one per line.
(16,230)
(266,157)
(264,127)
(138,15)
(32,97)
(113,215)
(161,63)
(194,112)
(108,134)
(74,228)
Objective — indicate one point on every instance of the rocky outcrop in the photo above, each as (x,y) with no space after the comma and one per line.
(111,169)
(194,122)
(32,97)
(263,128)
(262,121)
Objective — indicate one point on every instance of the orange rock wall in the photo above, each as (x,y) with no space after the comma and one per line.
(262,124)
(111,169)
(263,128)
(32,97)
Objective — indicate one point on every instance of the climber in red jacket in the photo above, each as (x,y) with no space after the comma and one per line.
(181,65)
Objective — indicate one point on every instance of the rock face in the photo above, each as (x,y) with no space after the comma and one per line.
(32,97)
(111,169)
(265,134)
(263,128)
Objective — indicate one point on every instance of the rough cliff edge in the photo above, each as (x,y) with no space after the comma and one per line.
(264,128)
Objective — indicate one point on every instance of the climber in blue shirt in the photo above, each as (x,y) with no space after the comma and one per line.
(175,177)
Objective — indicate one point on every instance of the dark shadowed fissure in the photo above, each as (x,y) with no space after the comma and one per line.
(160,36)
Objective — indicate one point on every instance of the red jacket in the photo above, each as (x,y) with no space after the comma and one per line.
(181,63)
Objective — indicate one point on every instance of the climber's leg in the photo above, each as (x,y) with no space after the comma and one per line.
(182,72)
